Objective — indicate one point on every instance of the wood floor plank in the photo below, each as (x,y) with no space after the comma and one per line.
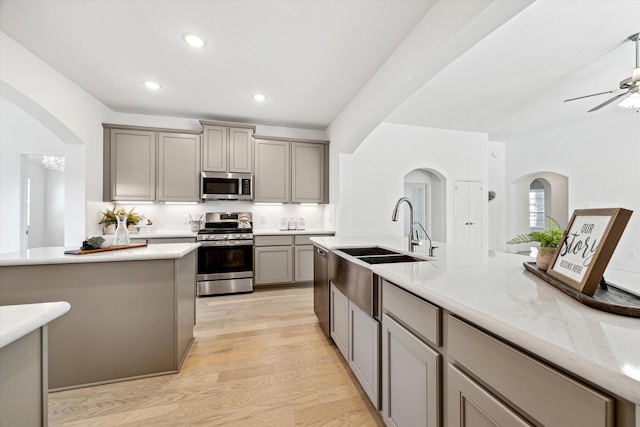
(258,359)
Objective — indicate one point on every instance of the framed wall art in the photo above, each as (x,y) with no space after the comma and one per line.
(587,246)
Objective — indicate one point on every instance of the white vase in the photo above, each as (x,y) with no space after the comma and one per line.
(121,236)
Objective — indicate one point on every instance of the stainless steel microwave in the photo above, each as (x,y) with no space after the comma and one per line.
(226,186)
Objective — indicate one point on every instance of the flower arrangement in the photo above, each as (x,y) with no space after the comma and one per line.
(109,216)
(549,237)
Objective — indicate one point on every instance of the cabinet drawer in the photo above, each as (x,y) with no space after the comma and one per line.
(547,395)
(273,240)
(303,240)
(419,315)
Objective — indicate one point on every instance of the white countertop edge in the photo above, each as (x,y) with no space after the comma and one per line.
(16,321)
(56,255)
(276,232)
(168,234)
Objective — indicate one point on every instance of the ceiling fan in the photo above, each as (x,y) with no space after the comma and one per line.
(629,86)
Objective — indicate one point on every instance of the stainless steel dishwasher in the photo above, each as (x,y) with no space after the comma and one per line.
(321,286)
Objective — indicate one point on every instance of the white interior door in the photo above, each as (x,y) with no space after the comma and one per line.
(468,213)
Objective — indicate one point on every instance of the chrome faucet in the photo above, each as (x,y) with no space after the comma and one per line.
(394,217)
(431,247)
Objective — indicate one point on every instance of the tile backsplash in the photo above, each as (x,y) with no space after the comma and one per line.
(175,217)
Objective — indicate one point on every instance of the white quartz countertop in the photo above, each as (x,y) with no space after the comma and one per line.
(16,321)
(495,292)
(276,232)
(56,255)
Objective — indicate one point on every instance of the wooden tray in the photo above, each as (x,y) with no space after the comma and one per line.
(111,248)
(608,297)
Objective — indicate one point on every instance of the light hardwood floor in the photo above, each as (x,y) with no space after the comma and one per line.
(259,359)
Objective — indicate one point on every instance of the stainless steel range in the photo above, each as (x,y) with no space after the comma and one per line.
(225,255)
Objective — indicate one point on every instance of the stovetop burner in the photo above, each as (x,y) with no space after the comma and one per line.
(235,225)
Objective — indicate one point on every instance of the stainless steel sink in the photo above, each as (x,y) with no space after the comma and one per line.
(358,282)
(366,251)
(388,259)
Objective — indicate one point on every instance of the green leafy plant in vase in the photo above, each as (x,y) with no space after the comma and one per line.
(549,239)
(109,217)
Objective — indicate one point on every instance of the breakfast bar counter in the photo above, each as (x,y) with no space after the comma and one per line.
(494,292)
(132,315)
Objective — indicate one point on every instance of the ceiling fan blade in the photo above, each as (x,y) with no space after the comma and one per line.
(609,101)
(595,94)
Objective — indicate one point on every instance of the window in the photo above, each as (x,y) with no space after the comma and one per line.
(536,205)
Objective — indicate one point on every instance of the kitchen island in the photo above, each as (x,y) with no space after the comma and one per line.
(132,311)
(490,295)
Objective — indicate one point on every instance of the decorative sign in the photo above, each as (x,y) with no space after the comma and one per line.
(587,246)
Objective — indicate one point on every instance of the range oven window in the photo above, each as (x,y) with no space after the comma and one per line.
(225,259)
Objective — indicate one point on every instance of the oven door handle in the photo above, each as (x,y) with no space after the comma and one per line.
(205,243)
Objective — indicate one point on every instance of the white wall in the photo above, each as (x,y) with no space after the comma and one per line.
(497,207)
(20,133)
(601,158)
(373,178)
(70,114)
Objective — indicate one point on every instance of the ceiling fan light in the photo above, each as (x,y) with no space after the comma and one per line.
(194,40)
(632,101)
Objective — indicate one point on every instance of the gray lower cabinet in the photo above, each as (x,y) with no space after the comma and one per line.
(411,368)
(23,381)
(273,264)
(536,392)
(290,171)
(283,259)
(303,261)
(357,336)
(146,164)
(339,320)
(364,351)
(472,405)
(411,378)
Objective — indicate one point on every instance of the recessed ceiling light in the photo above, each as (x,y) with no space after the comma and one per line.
(194,40)
(258,97)
(152,85)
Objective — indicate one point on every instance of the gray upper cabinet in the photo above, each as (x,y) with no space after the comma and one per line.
(227,148)
(307,172)
(178,167)
(273,175)
(290,171)
(145,164)
(240,150)
(132,165)
(214,148)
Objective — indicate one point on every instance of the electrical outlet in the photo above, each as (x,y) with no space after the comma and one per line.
(263,219)
(186,219)
(632,254)
(321,219)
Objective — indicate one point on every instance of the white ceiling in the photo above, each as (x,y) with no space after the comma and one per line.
(310,58)
(514,81)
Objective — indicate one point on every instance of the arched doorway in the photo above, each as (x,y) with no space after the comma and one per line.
(426,188)
(535,197)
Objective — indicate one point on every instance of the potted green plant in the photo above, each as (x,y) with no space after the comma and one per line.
(109,218)
(549,239)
